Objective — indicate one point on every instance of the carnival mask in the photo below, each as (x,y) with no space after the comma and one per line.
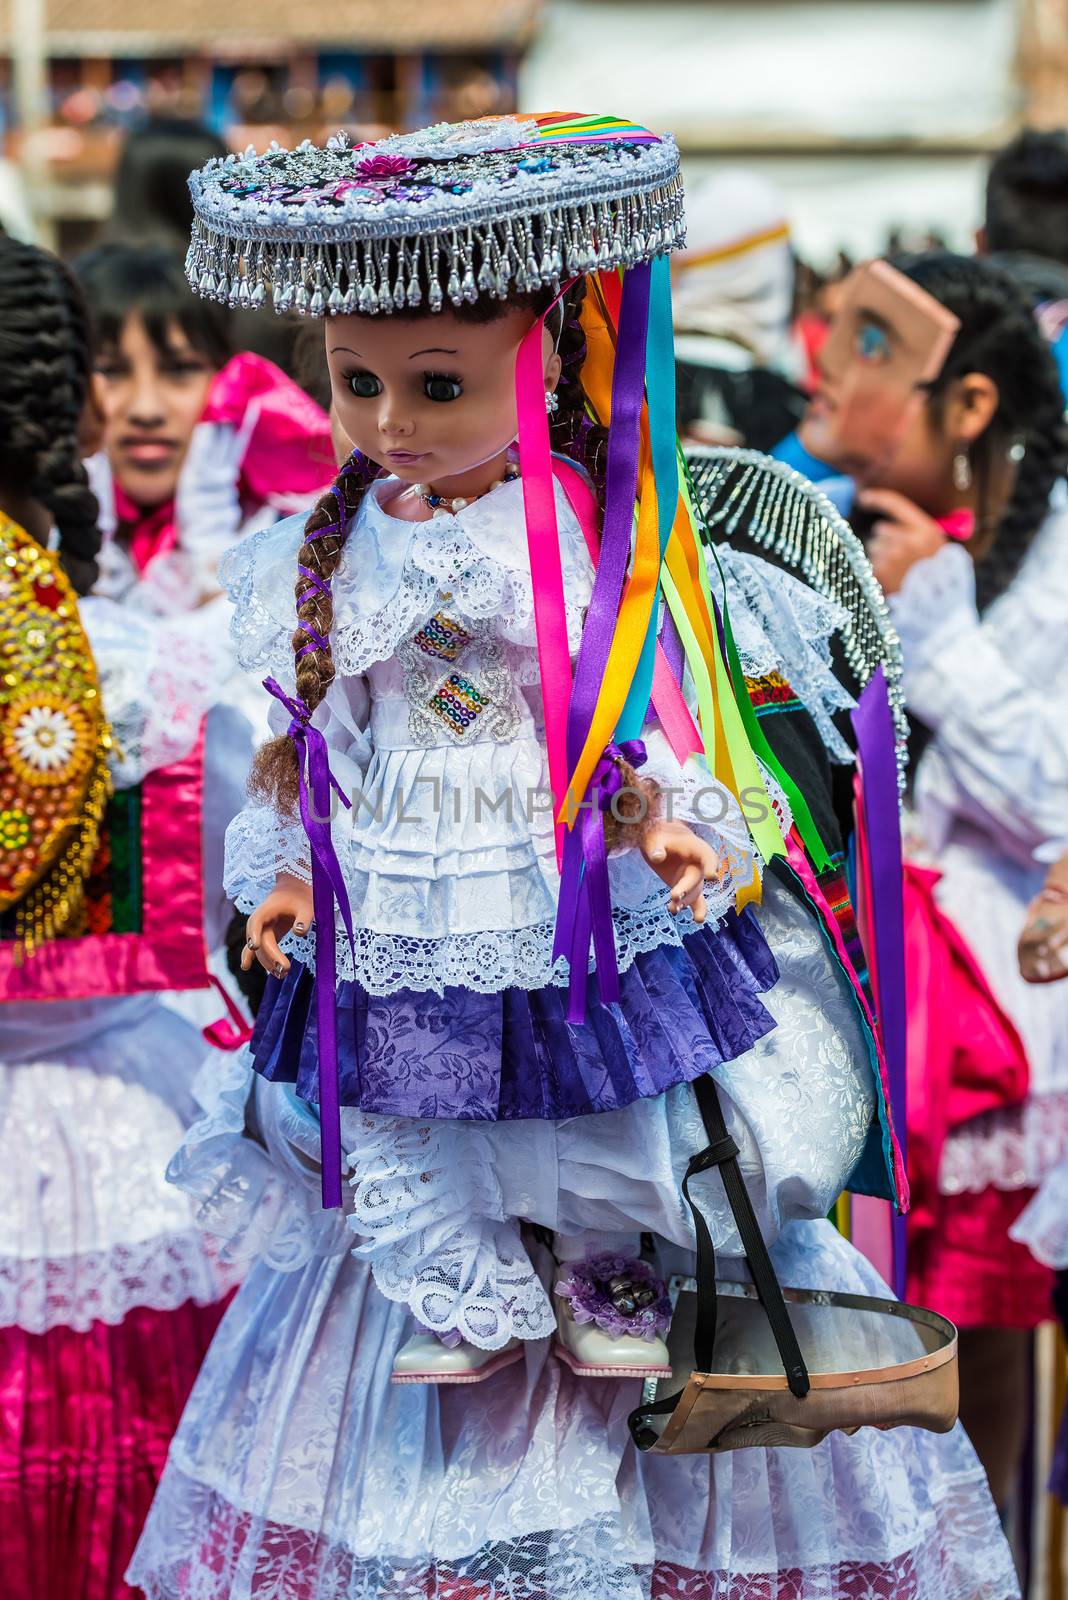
(888,341)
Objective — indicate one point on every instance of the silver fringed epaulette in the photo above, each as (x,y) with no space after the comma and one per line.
(742,491)
(452,213)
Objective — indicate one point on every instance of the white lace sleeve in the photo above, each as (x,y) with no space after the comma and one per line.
(261,843)
(995,691)
(260,573)
(781,625)
(159,677)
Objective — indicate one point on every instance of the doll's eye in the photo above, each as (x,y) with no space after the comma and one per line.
(364,385)
(872,342)
(438,387)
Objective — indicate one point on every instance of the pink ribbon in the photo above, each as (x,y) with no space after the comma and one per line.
(231,1033)
(958,525)
(328,885)
(546,573)
(669,703)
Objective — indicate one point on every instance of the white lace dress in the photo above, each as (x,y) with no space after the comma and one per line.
(300,1470)
(991,805)
(456,1058)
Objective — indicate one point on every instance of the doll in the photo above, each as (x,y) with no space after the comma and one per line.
(474,1073)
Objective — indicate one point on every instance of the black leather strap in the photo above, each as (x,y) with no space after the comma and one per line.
(722,1152)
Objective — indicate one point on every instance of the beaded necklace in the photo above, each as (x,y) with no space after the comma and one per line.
(442,506)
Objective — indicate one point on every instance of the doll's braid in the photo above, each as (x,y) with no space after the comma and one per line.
(275,770)
(44,380)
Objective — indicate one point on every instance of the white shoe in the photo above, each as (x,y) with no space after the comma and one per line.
(593,1354)
(424,1359)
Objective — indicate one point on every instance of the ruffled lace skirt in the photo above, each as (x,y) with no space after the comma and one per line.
(108,1297)
(684,1010)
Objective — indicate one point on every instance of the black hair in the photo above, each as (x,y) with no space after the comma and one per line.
(1027,196)
(998,336)
(152,178)
(149,280)
(45,366)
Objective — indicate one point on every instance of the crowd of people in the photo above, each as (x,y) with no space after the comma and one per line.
(337,1274)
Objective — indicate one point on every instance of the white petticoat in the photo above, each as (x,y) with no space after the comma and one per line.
(299,1470)
(93,1097)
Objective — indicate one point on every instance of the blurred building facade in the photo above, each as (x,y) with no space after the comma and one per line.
(872,116)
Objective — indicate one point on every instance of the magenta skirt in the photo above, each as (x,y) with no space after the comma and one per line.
(85,1424)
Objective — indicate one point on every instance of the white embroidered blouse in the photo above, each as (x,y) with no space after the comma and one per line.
(435,729)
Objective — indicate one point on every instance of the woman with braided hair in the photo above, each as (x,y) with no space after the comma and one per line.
(969,537)
(108,1296)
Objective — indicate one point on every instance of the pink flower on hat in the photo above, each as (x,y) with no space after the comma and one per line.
(383,166)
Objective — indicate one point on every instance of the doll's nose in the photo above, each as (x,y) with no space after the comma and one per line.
(393,426)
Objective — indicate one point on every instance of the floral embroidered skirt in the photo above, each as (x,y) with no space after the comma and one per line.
(684,1010)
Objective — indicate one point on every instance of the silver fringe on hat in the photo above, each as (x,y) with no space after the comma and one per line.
(439,215)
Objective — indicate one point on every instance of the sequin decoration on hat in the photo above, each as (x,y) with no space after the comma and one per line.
(54,781)
(497,206)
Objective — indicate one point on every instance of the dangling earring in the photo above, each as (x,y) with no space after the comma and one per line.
(552,401)
(962,471)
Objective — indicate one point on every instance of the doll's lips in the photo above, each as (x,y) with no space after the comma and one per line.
(405,458)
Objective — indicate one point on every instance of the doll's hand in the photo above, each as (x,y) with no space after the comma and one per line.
(289,905)
(902,536)
(684,861)
(1043,948)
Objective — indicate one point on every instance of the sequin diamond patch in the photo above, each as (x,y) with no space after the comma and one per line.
(442,637)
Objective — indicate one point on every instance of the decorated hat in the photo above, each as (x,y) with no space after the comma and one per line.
(500,207)
(496,206)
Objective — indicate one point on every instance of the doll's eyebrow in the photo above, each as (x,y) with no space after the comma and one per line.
(347,349)
(433,350)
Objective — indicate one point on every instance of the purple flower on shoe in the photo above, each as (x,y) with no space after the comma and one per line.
(602,1289)
(450,1338)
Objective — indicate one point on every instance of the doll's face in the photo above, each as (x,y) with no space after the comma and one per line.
(430,397)
(888,339)
(150,400)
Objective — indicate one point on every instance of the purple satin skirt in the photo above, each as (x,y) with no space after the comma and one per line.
(684,1009)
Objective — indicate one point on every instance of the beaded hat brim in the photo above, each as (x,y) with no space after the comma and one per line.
(495,207)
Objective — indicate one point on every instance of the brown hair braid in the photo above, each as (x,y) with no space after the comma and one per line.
(275,771)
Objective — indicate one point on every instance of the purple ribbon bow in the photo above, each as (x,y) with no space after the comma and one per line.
(316,781)
(585,895)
